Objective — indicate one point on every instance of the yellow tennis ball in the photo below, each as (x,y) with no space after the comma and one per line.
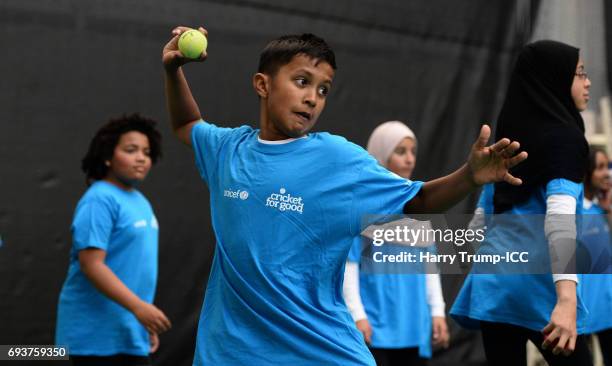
(192,43)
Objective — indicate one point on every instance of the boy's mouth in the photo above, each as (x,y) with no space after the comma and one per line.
(304,115)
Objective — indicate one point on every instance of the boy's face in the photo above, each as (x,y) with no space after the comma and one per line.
(295,97)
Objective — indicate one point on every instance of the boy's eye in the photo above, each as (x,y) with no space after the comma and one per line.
(301,81)
(323,90)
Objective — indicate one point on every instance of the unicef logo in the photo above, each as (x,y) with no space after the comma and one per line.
(235,194)
(283,190)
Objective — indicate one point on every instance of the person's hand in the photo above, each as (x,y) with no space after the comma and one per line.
(153,319)
(364,327)
(492,163)
(560,332)
(172,58)
(439,332)
(154,340)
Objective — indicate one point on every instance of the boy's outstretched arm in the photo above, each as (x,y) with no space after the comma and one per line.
(485,164)
(183,109)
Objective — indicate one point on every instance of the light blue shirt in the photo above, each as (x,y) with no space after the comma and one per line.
(122,224)
(395,303)
(524,300)
(597,288)
(284,218)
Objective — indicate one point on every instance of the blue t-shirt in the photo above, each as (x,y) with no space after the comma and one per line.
(485,201)
(123,224)
(526,300)
(284,218)
(597,288)
(396,305)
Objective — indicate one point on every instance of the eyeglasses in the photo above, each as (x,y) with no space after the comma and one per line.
(582,75)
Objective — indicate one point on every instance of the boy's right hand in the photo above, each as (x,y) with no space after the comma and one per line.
(153,319)
(364,327)
(172,58)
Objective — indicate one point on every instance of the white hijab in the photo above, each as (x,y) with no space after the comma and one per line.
(385,138)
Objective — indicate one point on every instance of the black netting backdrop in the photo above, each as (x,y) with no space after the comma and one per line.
(67,66)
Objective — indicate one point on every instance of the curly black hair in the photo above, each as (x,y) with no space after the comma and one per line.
(102,146)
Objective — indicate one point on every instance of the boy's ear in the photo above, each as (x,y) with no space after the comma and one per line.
(261,84)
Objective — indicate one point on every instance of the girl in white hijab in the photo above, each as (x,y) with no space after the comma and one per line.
(399,315)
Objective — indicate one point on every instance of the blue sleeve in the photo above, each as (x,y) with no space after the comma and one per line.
(355,252)
(92,225)
(564,186)
(207,141)
(378,191)
(486,198)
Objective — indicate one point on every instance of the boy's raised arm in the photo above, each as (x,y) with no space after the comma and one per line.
(486,164)
(183,109)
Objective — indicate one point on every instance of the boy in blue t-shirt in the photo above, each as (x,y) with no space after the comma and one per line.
(285,206)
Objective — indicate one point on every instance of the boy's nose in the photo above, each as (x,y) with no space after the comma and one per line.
(310,97)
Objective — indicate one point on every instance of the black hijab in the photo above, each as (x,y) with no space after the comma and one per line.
(540,114)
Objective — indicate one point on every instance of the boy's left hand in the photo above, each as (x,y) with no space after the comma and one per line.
(489,164)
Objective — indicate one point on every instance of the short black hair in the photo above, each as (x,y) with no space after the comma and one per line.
(102,146)
(281,51)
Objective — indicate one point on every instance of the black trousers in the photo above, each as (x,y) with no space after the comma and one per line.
(397,357)
(114,360)
(504,344)
(605,341)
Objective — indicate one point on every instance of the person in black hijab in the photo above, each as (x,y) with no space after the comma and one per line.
(548,89)
(540,112)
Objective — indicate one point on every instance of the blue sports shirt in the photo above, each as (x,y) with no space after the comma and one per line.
(123,224)
(597,288)
(525,300)
(284,217)
(396,305)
